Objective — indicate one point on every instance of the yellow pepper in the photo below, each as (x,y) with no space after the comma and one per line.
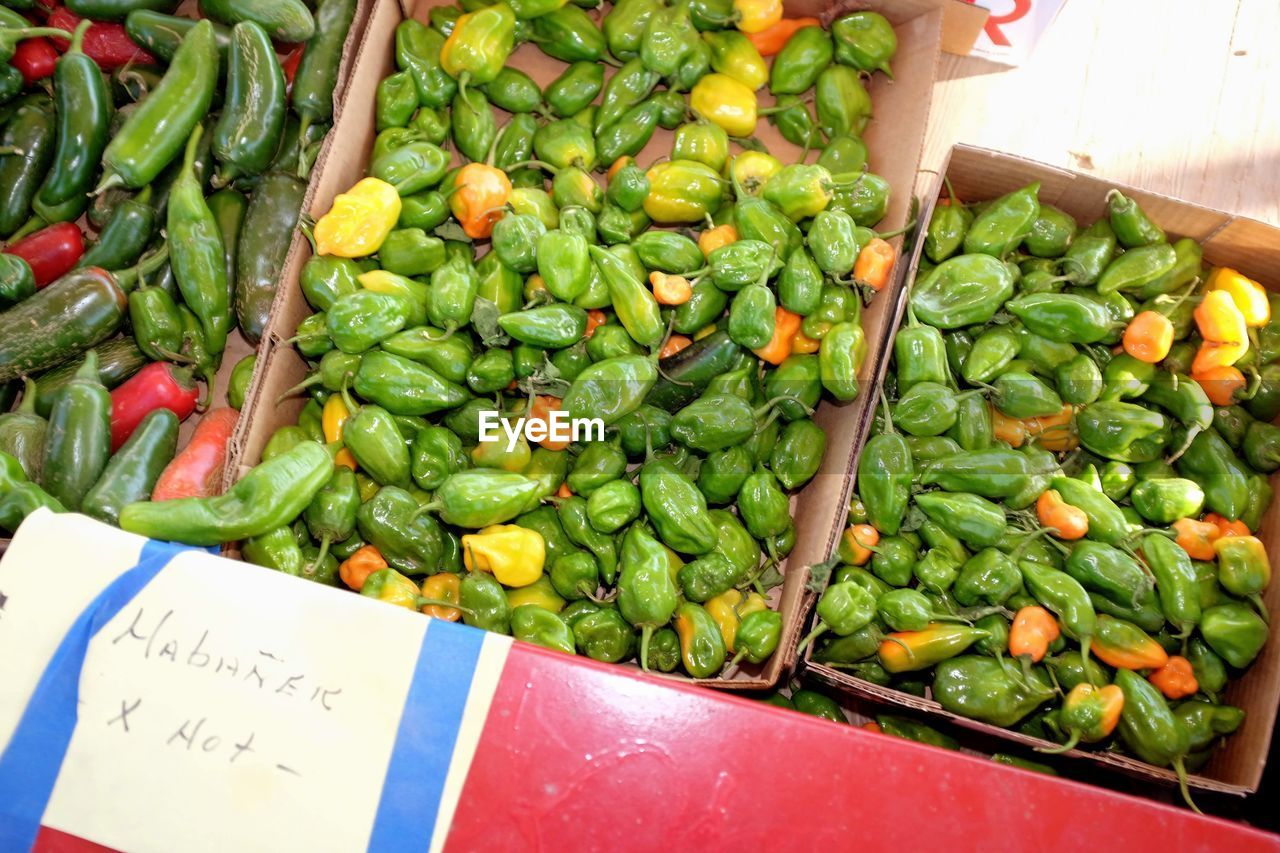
(333,416)
(802,343)
(514,555)
(1249,296)
(724,612)
(391,587)
(757,15)
(753,169)
(1222,325)
(733,53)
(714,238)
(722,100)
(359,221)
(446,587)
(538,594)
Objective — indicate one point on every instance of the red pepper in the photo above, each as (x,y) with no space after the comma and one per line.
(290,65)
(159,385)
(51,252)
(35,58)
(106,43)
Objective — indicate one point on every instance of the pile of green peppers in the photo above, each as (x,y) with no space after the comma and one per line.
(195,244)
(1037,449)
(444,291)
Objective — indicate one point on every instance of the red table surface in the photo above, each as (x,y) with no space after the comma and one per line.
(579,755)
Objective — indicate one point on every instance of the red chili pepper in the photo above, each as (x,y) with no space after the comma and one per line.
(290,65)
(35,58)
(159,385)
(106,43)
(51,252)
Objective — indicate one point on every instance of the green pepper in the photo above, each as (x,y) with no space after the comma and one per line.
(962,291)
(1234,632)
(611,389)
(266,498)
(983,689)
(283,440)
(1209,461)
(865,40)
(1052,233)
(396,101)
(569,35)
(842,102)
(1138,268)
(676,508)
(885,477)
(77,444)
(576,524)
(1124,432)
(1062,317)
(1003,224)
(155,132)
(1131,225)
(613,505)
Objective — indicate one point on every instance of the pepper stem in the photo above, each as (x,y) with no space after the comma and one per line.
(320,555)
(299,388)
(817,632)
(645,633)
(1066,747)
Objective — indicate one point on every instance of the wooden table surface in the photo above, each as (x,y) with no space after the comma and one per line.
(1179,97)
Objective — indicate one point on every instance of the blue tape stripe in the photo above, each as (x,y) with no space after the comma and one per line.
(424,743)
(30,764)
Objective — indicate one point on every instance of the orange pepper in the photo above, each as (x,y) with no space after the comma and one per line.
(1148,337)
(1009,430)
(803,344)
(1196,538)
(355,570)
(771,39)
(1033,629)
(618,165)
(875,263)
(670,289)
(785,326)
(541,410)
(480,191)
(871,726)
(1065,520)
(1176,679)
(1139,652)
(332,418)
(1247,295)
(1055,432)
(445,586)
(674,344)
(856,544)
(1220,384)
(595,319)
(714,238)
(1226,528)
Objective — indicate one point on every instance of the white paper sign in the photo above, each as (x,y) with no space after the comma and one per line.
(1013,28)
(225,706)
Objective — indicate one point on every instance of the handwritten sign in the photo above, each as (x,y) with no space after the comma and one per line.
(1013,28)
(229,706)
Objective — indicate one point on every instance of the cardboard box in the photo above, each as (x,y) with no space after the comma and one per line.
(895,138)
(1247,245)
(213,706)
